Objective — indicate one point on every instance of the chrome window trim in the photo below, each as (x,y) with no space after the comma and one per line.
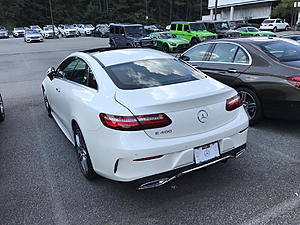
(224,42)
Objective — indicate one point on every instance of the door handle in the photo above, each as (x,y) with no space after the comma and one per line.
(57,89)
(232,70)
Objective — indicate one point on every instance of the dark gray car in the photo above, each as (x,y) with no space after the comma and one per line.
(129,35)
(265,71)
(222,28)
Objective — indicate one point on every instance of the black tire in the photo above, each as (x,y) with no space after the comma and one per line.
(252,105)
(286,28)
(47,104)
(166,48)
(112,44)
(194,41)
(2,112)
(274,29)
(85,163)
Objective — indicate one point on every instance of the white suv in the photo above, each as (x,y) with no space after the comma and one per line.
(274,25)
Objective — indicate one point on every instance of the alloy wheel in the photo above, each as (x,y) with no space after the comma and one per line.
(81,152)
(249,104)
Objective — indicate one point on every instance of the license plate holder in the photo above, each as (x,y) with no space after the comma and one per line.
(206,152)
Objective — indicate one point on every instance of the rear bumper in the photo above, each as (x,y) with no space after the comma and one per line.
(113,155)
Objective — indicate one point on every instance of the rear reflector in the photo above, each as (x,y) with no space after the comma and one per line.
(148,158)
(233,103)
(133,123)
(294,81)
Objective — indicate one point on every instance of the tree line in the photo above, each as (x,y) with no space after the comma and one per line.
(26,12)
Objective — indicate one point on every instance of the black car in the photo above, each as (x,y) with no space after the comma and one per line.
(222,28)
(295,37)
(265,71)
(2,114)
(235,24)
(101,30)
(129,35)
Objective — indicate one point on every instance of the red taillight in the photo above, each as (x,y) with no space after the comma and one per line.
(132,123)
(294,81)
(233,103)
(270,24)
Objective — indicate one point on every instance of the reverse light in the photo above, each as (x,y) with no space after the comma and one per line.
(233,103)
(295,81)
(134,123)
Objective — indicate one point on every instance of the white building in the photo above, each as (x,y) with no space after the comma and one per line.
(241,9)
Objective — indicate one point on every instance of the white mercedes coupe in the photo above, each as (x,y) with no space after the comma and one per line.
(134,113)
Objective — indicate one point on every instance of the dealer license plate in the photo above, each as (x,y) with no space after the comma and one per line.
(206,152)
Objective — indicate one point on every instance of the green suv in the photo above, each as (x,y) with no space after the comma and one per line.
(194,32)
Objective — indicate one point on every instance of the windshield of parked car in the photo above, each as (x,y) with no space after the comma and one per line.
(32,32)
(19,28)
(284,51)
(222,26)
(166,35)
(69,27)
(253,29)
(197,26)
(88,26)
(35,27)
(152,73)
(268,21)
(2,28)
(135,31)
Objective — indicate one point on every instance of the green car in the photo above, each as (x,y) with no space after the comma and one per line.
(194,32)
(252,31)
(169,42)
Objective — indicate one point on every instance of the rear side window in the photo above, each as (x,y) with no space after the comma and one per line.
(112,29)
(241,57)
(223,53)
(151,73)
(173,26)
(186,28)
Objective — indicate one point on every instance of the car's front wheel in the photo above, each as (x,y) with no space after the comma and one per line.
(84,160)
(252,104)
(2,113)
(166,48)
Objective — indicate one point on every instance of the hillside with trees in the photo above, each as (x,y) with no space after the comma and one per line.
(26,12)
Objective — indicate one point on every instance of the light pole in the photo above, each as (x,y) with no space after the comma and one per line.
(216,6)
(50,5)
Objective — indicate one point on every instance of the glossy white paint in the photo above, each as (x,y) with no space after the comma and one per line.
(181,102)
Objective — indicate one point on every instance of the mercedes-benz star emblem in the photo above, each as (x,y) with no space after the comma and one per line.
(202,116)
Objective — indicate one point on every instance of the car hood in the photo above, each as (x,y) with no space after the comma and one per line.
(68,30)
(33,35)
(3,31)
(202,33)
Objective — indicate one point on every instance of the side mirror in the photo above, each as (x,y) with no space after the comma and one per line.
(123,35)
(189,31)
(51,73)
(184,58)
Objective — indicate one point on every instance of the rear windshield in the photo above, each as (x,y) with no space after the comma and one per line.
(268,21)
(151,73)
(284,51)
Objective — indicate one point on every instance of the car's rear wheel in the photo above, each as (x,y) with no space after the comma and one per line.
(286,28)
(252,104)
(274,29)
(46,102)
(2,113)
(84,160)
(166,48)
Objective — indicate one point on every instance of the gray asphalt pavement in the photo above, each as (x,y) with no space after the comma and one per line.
(41,183)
